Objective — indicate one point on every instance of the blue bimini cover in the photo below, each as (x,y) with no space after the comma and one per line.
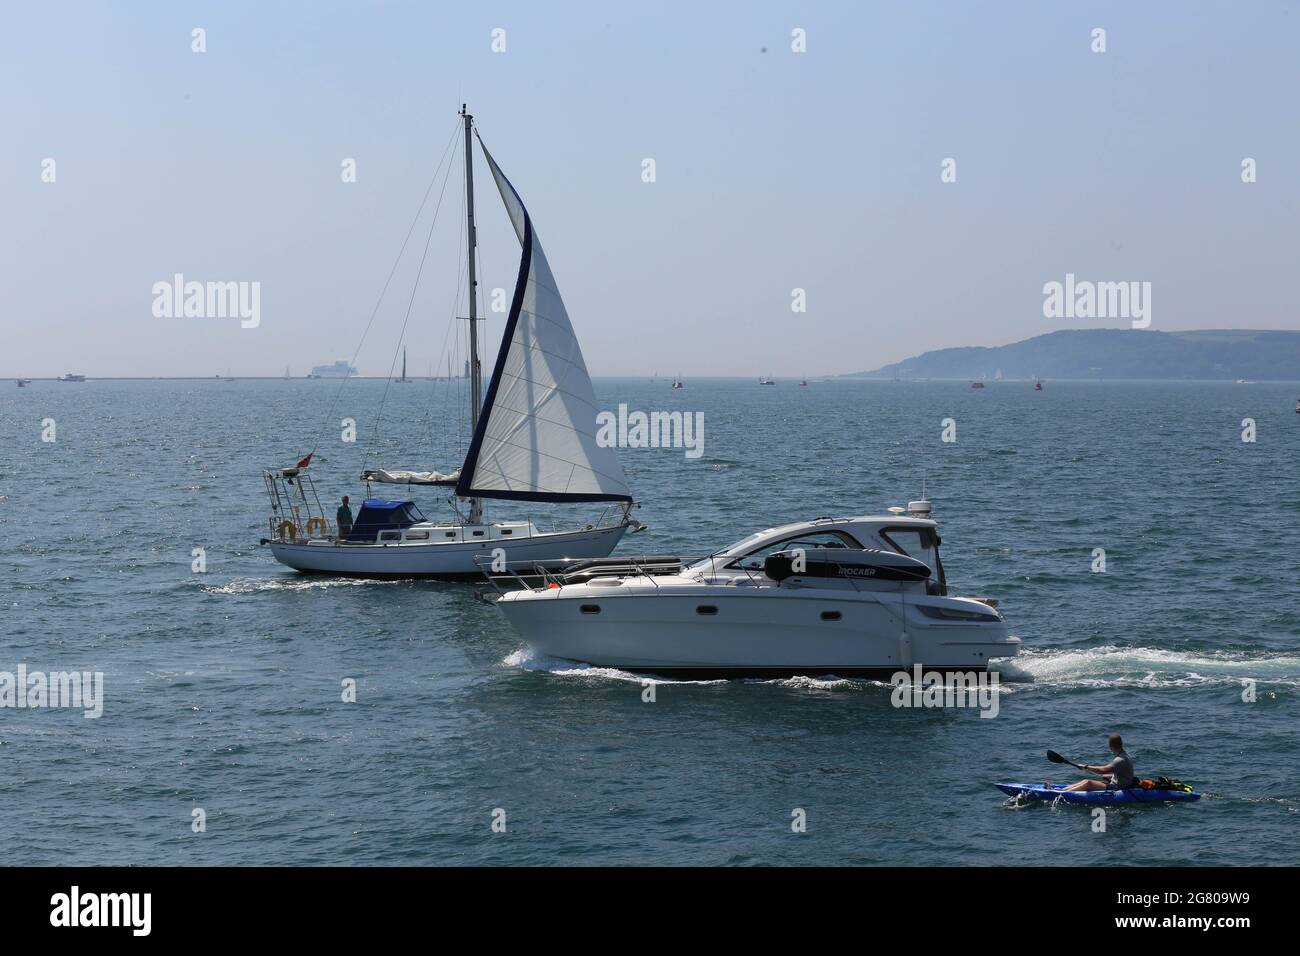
(378,515)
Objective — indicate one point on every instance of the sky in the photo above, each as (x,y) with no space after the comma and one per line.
(774,170)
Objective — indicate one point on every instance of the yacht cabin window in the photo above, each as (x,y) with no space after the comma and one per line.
(816,539)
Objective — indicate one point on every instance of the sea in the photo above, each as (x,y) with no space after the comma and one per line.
(1141,538)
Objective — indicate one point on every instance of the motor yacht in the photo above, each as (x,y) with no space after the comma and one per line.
(855,596)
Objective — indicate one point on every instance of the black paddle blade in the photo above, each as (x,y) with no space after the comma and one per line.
(1053,756)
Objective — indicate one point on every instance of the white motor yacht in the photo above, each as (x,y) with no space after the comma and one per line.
(862,596)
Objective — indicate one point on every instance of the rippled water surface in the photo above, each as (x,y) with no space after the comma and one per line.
(223,689)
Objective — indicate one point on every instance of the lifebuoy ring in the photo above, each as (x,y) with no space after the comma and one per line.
(314,523)
(287,529)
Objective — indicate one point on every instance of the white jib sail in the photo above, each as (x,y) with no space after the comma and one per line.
(536,437)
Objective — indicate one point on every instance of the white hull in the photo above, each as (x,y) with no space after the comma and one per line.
(452,560)
(760,632)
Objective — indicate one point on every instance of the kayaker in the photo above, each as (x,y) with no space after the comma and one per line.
(1119,770)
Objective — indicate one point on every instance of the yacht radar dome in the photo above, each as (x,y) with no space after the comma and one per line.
(920,508)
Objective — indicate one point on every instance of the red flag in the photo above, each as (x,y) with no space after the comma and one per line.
(305,462)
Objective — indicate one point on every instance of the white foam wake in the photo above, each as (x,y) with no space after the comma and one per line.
(528,659)
(1115,666)
(254,585)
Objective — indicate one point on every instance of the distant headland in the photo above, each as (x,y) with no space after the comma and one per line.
(1111,354)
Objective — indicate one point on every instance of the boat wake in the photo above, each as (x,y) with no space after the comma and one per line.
(1114,666)
(254,585)
(828,682)
(529,660)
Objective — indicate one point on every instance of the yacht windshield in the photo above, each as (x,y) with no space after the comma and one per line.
(922,544)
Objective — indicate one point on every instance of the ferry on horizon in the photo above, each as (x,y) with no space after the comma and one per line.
(340,369)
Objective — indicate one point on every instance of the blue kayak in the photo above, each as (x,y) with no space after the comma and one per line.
(1043,791)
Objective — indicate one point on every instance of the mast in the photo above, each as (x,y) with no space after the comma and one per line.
(475,373)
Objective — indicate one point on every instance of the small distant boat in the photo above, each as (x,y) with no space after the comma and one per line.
(803,381)
(403,380)
(766,381)
(679,384)
(1297,406)
(71,377)
(1038,386)
(24,382)
(976,384)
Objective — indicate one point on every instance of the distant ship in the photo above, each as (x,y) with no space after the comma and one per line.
(678,383)
(70,377)
(340,369)
(803,381)
(766,381)
(23,382)
(976,384)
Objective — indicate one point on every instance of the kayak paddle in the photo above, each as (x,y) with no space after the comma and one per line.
(1053,756)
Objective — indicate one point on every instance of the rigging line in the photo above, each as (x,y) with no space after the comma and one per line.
(375,311)
(410,304)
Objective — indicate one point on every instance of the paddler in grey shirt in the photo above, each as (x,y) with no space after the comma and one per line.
(1119,770)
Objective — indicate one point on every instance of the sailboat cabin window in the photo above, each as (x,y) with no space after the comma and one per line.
(808,541)
(417,536)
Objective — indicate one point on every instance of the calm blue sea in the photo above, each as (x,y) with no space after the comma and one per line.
(223,688)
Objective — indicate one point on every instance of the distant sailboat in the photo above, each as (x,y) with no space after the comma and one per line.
(534,440)
(403,380)
(764,380)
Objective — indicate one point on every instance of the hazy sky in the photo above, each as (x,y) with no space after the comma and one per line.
(775,170)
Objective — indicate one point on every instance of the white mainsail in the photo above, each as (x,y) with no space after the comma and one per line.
(536,437)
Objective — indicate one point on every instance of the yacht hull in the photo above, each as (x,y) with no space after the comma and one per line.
(453,561)
(764,632)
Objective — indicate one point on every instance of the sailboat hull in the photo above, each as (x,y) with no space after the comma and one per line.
(454,561)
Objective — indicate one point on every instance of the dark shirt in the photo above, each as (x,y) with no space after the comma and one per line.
(344,516)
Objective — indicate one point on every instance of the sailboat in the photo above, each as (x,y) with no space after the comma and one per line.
(534,440)
(403,380)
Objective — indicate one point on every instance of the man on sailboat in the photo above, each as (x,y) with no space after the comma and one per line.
(344,518)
